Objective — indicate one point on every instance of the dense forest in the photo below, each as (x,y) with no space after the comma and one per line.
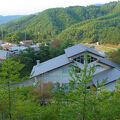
(90,24)
(104,29)
(55,102)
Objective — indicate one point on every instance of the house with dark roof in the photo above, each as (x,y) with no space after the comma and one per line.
(57,69)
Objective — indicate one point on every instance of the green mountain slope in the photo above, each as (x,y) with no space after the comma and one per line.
(18,23)
(105,29)
(57,22)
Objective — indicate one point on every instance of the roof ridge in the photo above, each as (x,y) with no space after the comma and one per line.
(79,48)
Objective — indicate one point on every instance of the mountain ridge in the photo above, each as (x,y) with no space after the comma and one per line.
(52,23)
(7,18)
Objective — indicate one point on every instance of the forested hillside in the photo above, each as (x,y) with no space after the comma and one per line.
(104,29)
(91,24)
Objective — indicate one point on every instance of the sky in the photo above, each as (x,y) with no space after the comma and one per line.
(24,7)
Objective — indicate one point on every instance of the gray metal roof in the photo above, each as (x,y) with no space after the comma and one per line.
(50,65)
(76,49)
(108,62)
(110,75)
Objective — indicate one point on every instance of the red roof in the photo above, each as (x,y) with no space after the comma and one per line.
(26,41)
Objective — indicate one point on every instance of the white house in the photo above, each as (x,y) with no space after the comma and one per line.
(56,69)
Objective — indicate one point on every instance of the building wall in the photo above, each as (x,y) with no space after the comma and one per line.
(60,75)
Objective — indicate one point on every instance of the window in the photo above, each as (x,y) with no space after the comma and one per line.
(81,59)
(91,59)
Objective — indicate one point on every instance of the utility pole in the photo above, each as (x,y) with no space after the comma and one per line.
(25,35)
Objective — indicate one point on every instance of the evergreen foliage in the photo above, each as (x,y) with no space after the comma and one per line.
(73,101)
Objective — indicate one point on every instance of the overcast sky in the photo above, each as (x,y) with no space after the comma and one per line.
(17,7)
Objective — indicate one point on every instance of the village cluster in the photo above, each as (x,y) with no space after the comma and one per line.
(10,49)
(56,69)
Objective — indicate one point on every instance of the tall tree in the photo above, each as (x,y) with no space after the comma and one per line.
(9,75)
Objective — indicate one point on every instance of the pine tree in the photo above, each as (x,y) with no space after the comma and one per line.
(10,75)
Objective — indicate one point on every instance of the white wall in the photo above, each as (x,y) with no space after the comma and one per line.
(60,75)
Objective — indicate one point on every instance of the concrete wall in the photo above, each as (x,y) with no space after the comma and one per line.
(60,75)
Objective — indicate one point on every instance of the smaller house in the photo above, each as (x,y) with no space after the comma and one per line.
(17,49)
